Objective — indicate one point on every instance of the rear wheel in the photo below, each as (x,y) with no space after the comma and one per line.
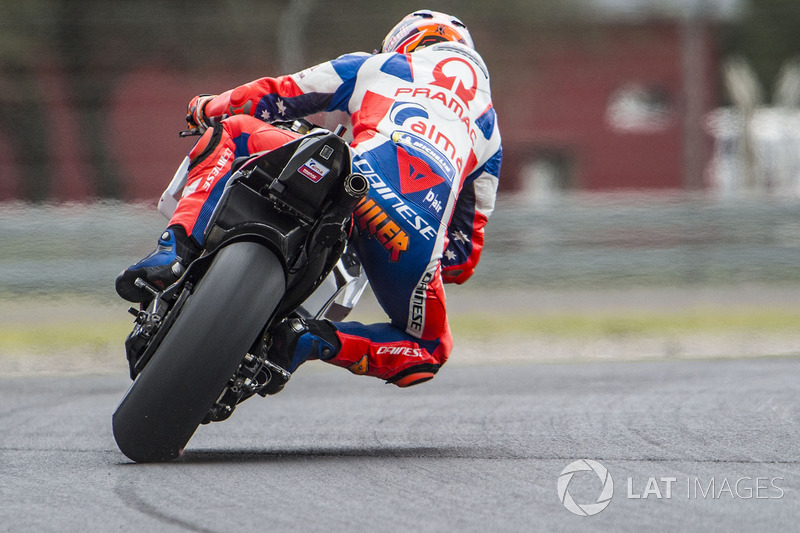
(208,340)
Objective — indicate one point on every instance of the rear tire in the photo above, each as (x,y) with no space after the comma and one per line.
(217,325)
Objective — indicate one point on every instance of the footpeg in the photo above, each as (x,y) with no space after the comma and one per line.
(277,380)
(142,284)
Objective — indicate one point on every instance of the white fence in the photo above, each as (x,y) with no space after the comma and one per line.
(575,240)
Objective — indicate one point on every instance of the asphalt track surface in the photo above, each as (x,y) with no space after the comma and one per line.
(480,448)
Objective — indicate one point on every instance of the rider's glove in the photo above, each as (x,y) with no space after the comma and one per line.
(196,116)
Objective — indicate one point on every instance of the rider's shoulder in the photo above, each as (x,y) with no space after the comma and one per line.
(455,49)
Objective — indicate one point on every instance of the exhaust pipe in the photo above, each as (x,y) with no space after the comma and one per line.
(356,186)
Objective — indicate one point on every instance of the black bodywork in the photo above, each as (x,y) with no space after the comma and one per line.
(297,200)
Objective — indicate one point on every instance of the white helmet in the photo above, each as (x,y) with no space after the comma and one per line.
(423,28)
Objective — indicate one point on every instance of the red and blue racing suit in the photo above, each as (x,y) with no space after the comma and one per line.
(425,135)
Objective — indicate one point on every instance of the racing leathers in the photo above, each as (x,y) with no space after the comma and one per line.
(425,135)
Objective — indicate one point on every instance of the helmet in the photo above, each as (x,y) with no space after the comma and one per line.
(423,28)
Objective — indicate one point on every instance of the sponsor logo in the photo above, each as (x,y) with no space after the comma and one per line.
(455,82)
(432,199)
(417,317)
(417,146)
(402,111)
(374,220)
(427,129)
(379,187)
(449,76)
(313,170)
(400,350)
(415,174)
(215,172)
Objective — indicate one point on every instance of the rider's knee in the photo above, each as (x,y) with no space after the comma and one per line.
(420,373)
(414,375)
(221,134)
(236,125)
(206,145)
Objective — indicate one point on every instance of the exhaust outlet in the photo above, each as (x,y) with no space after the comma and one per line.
(356,186)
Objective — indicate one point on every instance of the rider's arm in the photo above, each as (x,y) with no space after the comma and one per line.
(472,210)
(325,87)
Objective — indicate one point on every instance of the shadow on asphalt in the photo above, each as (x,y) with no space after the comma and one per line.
(277,455)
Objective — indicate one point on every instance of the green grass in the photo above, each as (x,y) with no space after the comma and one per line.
(695,321)
(93,335)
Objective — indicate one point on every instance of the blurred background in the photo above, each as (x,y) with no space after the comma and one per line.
(647,143)
(594,95)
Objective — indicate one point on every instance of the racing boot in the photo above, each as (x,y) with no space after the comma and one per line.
(295,341)
(163,267)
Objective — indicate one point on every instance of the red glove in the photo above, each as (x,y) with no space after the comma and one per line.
(196,116)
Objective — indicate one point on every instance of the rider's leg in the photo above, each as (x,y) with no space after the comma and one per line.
(209,170)
(210,166)
(407,351)
(386,351)
(161,268)
(402,262)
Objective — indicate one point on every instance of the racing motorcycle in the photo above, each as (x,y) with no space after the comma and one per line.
(276,247)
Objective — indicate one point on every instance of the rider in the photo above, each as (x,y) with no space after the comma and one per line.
(425,135)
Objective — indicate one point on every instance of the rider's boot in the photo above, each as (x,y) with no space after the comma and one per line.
(163,267)
(295,341)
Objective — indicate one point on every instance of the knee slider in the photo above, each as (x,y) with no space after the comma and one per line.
(414,375)
(206,145)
